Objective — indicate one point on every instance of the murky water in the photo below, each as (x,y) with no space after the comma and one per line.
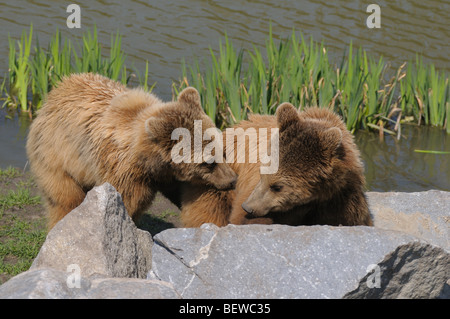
(390,164)
(393,164)
(164,32)
(13,132)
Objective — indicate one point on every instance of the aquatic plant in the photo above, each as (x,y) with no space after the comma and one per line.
(236,82)
(19,69)
(31,75)
(432,152)
(300,72)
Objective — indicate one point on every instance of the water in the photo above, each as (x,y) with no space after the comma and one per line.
(393,165)
(165,32)
(13,132)
(390,164)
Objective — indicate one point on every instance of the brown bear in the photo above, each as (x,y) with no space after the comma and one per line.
(93,130)
(319,179)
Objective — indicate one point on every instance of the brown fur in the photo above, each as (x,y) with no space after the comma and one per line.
(319,181)
(93,130)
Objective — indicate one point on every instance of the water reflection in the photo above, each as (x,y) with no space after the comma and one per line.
(393,165)
(13,132)
(390,165)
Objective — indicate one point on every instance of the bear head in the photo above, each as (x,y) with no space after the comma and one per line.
(186,114)
(311,166)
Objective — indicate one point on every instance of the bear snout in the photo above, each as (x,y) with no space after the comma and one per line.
(232,184)
(226,180)
(247,209)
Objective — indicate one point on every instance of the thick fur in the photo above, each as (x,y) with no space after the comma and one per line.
(93,130)
(319,181)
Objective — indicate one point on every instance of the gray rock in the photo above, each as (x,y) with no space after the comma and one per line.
(55,284)
(414,270)
(129,288)
(98,247)
(99,237)
(40,284)
(275,261)
(423,214)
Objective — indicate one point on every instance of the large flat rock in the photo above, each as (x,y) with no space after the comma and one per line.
(277,261)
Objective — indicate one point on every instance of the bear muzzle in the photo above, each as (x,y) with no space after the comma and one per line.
(232,184)
(226,186)
(247,209)
(224,179)
(251,212)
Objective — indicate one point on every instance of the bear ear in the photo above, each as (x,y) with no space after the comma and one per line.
(332,138)
(286,115)
(190,96)
(154,126)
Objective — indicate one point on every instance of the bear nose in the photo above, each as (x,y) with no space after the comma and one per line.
(233,183)
(247,209)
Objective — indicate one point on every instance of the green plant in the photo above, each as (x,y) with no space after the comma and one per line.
(432,152)
(19,68)
(299,71)
(236,82)
(20,244)
(18,198)
(9,172)
(32,76)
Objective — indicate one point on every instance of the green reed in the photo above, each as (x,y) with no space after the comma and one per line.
(31,75)
(220,86)
(426,94)
(19,69)
(300,72)
(432,152)
(237,82)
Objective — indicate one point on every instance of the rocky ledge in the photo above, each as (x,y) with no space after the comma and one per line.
(96,251)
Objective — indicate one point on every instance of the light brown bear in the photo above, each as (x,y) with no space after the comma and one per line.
(93,130)
(319,180)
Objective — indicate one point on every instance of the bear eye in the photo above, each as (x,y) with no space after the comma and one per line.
(275,188)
